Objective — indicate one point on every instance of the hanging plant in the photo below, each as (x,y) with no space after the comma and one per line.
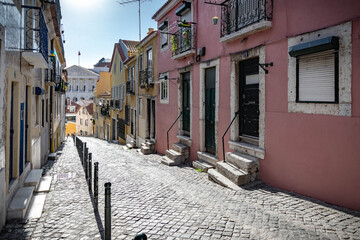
(174,43)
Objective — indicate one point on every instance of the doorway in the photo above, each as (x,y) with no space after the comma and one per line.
(249,100)
(210,144)
(186,103)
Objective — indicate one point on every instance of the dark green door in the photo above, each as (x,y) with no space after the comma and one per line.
(249,98)
(210,110)
(186,103)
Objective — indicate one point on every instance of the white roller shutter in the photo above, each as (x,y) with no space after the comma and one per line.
(317,77)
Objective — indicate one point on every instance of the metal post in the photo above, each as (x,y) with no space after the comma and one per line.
(90,171)
(107,211)
(96,193)
(86,163)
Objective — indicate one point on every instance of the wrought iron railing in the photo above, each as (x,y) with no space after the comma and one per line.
(105,111)
(36,32)
(146,78)
(227,129)
(238,14)
(167,133)
(117,104)
(130,87)
(183,40)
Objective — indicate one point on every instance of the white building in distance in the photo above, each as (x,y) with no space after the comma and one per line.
(81,83)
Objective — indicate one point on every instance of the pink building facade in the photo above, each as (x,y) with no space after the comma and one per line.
(285,72)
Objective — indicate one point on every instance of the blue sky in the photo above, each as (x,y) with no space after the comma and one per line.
(93,26)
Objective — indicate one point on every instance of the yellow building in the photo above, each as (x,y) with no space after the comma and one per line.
(102,97)
(130,107)
(147,91)
(123,50)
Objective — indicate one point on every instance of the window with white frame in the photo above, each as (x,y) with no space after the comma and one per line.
(121,66)
(317,70)
(115,68)
(164,88)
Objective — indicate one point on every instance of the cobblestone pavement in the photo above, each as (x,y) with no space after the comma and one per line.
(174,203)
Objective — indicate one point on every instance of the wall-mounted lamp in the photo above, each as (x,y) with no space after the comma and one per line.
(215,20)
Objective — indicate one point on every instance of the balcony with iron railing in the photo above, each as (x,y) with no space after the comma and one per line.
(35,47)
(105,111)
(243,17)
(130,87)
(183,42)
(146,78)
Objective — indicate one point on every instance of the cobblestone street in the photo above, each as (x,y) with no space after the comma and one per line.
(172,203)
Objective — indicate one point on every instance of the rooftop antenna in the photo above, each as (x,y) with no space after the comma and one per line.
(124,2)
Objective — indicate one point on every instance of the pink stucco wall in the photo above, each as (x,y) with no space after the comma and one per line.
(314,155)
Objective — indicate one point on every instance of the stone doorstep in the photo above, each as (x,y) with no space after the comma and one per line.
(36,206)
(202,165)
(242,161)
(247,148)
(52,156)
(146,150)
(184,140)
(20,203)
(167,161)
(33,178)
(181,148)
(223,181)
(129,146)
(234,174)
(208,158)
(177,157)
(44,185)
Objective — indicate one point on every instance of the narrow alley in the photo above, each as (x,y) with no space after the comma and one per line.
(171,203)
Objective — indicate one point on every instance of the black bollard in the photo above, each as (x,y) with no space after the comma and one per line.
(86,163)
(107,211)
(90,171)
(96,193)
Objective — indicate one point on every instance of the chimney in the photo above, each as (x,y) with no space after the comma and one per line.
(150,30)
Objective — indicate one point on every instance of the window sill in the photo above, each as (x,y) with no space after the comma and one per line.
(254,28)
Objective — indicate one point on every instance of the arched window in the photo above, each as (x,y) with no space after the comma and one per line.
(74,99)
(84,88)
(77,88)
(82,98)
(69,87)
(93,87)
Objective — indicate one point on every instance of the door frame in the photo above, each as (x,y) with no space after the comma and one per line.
(180,98)
(212,63)
(234,92)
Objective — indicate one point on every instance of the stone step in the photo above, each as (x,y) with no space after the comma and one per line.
(129,146)
(177,157)
(36,206)
(167,161)
(208,158)
(44,185)
(234,174)
(181,148)
(33,178)
(184,140)
(223,181)
(247,148)
(242,161)
(202,165)
(20,203)
(52,156)
(146,150)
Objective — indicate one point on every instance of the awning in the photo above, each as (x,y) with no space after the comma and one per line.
(314,46)
(39,91)
(183,8)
